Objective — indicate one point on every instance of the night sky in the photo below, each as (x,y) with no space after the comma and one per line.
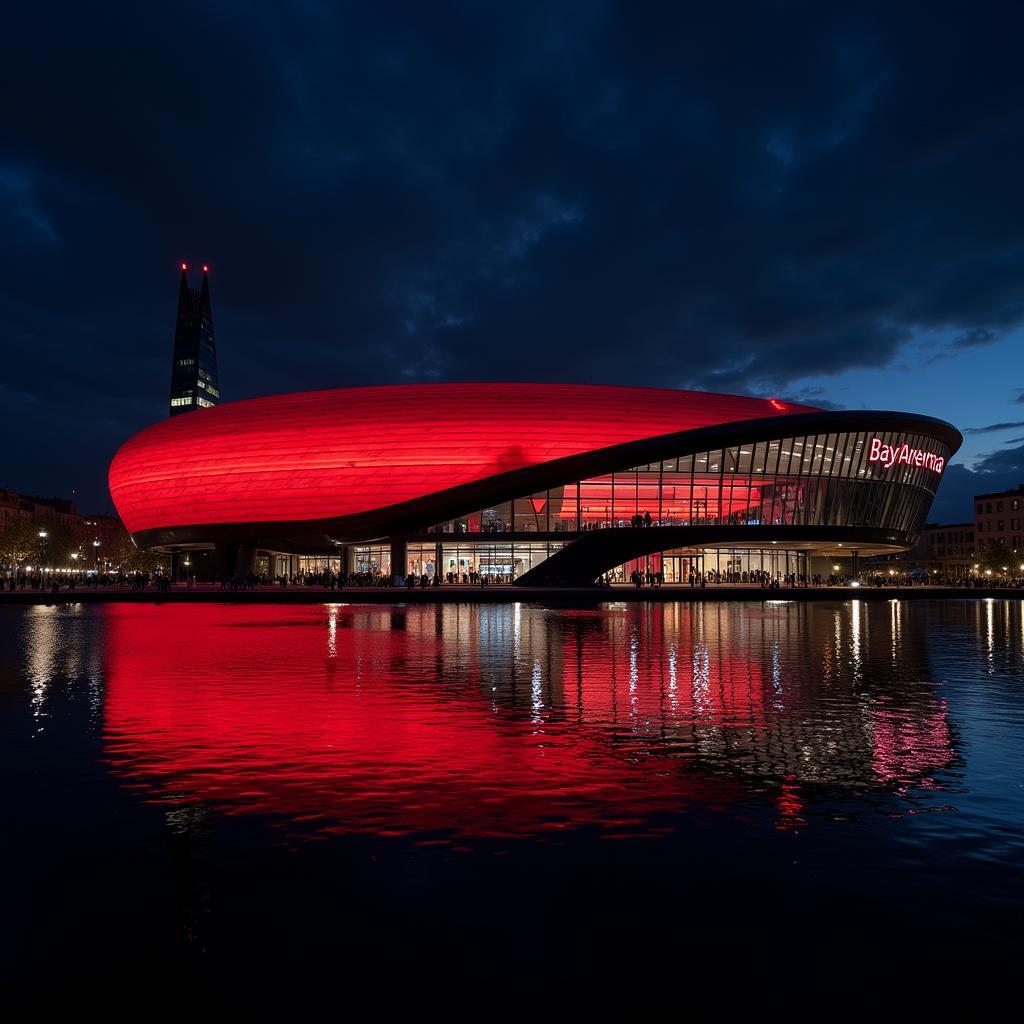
(811,201)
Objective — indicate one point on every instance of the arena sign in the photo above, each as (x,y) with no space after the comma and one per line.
(890,455)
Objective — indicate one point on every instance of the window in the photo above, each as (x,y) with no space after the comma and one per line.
(181,401)
(204,403)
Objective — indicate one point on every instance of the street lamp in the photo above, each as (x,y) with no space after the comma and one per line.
(42,549)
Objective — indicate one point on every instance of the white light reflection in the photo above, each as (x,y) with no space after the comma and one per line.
(672,681)
(776,675)
(42,643)
(990,633)
(537,691)
(856,653)
(701,678)
(895,628)
(634,668)
(517,630)
(332,630)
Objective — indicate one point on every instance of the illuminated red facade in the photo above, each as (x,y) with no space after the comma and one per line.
(325,454)
(543,464)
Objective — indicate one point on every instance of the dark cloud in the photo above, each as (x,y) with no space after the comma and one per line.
(998,471)
(994,428)
(632,193)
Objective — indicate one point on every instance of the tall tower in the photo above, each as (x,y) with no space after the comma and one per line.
(194,371)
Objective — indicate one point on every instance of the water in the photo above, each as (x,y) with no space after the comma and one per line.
(781,798)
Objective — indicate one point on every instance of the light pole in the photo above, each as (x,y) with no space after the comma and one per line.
(42,554)
(96,555)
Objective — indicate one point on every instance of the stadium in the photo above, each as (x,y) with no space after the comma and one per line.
(530,483)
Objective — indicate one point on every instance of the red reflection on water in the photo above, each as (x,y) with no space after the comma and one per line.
(343,716)
(909,746)
(504,720)
(790,805)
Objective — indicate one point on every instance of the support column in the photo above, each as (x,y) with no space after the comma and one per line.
(175,566)
(245,561)
(224,557)
(399,560)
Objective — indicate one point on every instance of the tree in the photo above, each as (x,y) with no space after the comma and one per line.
(129,558)
(993,554)
(19,544)
(57,547)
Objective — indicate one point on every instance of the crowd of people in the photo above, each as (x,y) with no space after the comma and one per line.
(327,579)
(56,582)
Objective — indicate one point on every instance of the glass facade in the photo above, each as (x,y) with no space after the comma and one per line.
(825,479)
(815,480)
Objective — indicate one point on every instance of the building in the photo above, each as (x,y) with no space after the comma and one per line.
(532,483)
(90,537)
(997,518)
(194,370)
(947,550)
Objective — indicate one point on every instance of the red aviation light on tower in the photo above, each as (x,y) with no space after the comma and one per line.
(184,266)
(206,269)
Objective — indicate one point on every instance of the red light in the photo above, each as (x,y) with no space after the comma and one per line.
(205,268)
(184,266)
(776,404)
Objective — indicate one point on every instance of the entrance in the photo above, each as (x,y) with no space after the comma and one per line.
(678,567)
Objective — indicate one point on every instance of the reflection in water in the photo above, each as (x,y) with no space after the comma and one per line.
(60,646)
(697,774)
(511,720)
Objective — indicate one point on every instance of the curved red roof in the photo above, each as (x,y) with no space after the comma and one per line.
(325,454)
